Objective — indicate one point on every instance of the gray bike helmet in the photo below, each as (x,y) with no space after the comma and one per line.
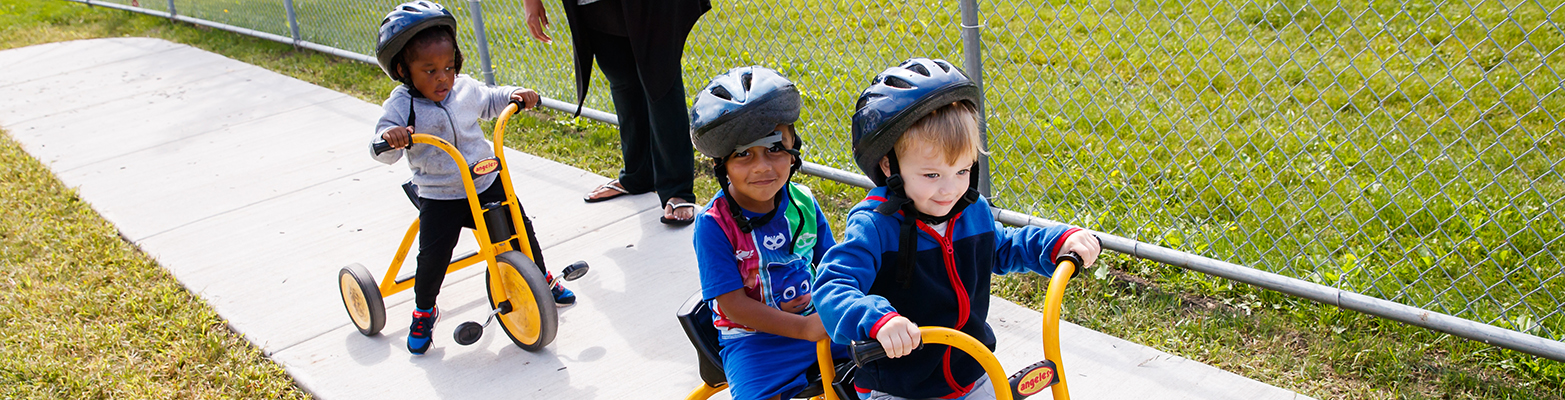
(402,23)
(898,97)
(741,106)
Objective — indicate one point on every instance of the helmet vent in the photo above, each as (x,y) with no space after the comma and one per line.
(900,83)
(865,100)
(944,66)
(722,93)
(919,68)
(745,80)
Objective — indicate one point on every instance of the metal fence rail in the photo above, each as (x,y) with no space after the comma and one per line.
(1410,152)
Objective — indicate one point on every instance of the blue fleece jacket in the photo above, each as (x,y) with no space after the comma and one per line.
(857,291)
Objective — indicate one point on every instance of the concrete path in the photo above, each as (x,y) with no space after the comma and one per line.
(254,188)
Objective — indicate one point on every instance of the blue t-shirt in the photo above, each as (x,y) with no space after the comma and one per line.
(761,262)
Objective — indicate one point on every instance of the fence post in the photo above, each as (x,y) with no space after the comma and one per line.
(293,22)
(171,12)
(483,42)
(973,62)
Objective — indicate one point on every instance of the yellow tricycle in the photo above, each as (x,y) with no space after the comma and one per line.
(519,295)
(833,379)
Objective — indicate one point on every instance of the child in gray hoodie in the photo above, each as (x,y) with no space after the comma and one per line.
(417,46)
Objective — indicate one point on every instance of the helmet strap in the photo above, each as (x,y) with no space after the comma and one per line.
(412,117)
(720,171)
(796,151)
(897,200)
(745,224)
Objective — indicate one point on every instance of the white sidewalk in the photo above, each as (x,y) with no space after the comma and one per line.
(254,188)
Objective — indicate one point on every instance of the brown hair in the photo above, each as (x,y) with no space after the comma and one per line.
(953,129)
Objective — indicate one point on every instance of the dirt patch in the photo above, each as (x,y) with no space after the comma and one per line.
(1190,302)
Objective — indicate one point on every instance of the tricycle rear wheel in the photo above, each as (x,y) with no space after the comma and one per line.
(361,297)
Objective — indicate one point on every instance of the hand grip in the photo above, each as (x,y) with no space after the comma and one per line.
(380,146)
(865,352)
(868,351)
(1073,258)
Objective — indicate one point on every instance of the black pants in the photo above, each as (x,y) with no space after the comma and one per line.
(654,128)
(440,225)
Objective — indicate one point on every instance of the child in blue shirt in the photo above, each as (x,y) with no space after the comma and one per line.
(921,248)
(759,238)
(417,46)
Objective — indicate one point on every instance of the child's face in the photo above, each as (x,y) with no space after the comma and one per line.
(432,68)
(934,184)
(757,173)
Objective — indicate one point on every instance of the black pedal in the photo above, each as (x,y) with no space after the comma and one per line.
(575,271)
(1034,379)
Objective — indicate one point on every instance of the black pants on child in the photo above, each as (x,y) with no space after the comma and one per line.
(440,225)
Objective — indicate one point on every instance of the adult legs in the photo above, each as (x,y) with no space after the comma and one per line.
(654,128)
(618,64)
(672,154)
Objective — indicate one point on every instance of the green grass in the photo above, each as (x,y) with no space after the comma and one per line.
(1318,351)
(88,316)
(1402,150)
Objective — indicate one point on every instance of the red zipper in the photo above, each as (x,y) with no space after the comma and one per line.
(962,301)
(949,256)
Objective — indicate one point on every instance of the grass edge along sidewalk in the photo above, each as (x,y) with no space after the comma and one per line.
(88,315)
(1319,351)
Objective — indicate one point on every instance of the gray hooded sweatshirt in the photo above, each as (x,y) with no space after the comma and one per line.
(456,120)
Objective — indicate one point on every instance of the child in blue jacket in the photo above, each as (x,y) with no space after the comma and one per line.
(759,239)
(921,248)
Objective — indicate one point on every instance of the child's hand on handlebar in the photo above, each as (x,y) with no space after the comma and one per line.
(1085,245)
(899,336)
(527,97)
(399,137)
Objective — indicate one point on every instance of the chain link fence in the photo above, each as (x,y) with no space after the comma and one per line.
(1403,150)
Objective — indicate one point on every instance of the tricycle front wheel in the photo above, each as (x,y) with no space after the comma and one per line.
(533,319)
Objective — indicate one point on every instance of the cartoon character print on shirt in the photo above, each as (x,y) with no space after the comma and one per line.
(774,266)
(805,245)
(775,241)
(784,286)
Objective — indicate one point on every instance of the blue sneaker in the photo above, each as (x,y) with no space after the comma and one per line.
(420,333)
(562,296)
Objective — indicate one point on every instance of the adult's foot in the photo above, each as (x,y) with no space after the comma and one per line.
(605,192)
(678,212)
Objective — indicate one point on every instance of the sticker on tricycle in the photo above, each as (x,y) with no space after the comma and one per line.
(1033,379)
(485,166)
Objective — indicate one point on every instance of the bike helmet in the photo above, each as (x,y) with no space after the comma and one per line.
(898,97)
(742,107)
(402,23)
(739,107)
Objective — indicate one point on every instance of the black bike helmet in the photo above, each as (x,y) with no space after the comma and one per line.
(741,106)
(405,21)
(898,97)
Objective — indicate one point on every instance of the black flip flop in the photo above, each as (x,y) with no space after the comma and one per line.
(676,221)
(612,185)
